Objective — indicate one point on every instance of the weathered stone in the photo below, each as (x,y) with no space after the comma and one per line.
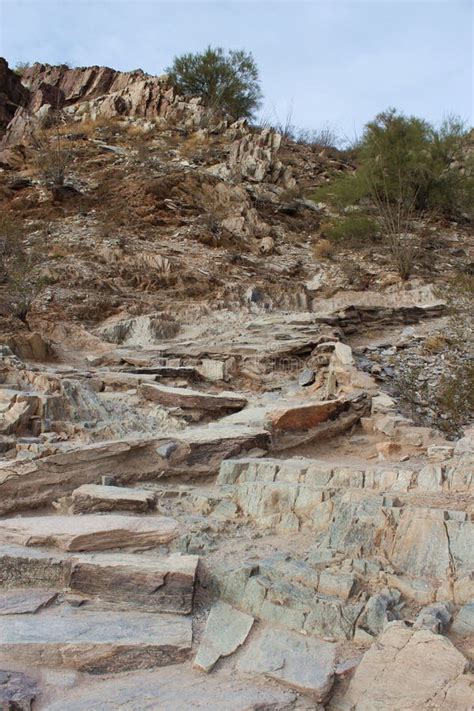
(226,630)
(90,498)
(89,533)
(178,688)
(464,620)
(435,617)
(190,399)
(302,663)
(154,584)
(305,416)
(200,450)
(96,642)
(21,566)
(404,669)
(17,691)
(306,378)
(18,602)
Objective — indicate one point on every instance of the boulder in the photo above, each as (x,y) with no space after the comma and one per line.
(405,669)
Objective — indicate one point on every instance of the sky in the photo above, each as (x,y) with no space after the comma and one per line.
(330,63)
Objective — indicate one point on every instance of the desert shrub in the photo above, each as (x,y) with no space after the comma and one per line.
(21,67)
(20,281)
(406,166)
(323,249)
(226,81)
(407,162)
(351,229)
(52,155)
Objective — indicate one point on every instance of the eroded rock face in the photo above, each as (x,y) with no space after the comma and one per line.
(12,94)
(88,92)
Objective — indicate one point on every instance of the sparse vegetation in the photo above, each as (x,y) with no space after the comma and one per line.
(406,166)
(227,82)
(17,275)
(21,67)
(53,157)
(350,230)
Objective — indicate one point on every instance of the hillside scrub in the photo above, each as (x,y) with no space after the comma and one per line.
(355,229)
(405,168)
(407,162)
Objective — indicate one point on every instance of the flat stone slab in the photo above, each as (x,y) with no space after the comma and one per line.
(89,533)
(174,688)
(191,399)
(305,664)
(226,629)
(17,602)
(90,498)
(96,642)
(155,584)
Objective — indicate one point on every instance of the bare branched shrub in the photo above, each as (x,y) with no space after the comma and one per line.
(323,249)
(396,217)
(20,282)
(53,157)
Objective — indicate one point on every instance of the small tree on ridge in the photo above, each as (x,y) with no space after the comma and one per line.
(227,82)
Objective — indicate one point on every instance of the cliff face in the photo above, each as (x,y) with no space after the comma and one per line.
(12,94)
(87,92)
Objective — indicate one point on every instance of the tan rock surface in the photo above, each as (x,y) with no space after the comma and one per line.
(407,671)
(89,533)
(95,641)
(90,498)
(178,688)
(191,399)
(162,584)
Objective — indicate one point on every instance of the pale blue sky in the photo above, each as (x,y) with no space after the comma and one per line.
(335,61)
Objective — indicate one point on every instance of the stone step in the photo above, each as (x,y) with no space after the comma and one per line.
(429,478)
(32,567)
(197,451)
(20,602)
(178,688)
(155,584)
(90,498)
(191,399)
(89,533)
(146,582)
(95,642)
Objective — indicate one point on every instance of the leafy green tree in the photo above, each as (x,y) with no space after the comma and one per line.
(226,81)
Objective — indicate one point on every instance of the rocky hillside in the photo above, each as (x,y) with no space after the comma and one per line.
(236,458)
